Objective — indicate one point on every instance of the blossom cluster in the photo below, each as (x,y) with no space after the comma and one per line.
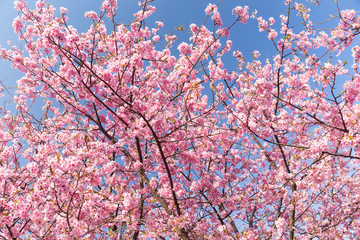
(141,136)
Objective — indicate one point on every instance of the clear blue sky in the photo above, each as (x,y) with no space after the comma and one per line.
(246,38)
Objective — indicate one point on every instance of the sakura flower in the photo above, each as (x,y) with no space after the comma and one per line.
(271,21)
(272,34)
(242,13)
(91,14)
(184,48)
(256,54)
(263,25)
(63,10)
(210,8)
(20,5)
(17,24)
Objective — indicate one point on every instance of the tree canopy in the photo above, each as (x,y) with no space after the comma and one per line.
(141,136)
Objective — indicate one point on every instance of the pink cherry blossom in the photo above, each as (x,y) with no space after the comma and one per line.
(137,135)
(271,20)
(91,14)
(184,48)
(242,13)
(263,25)
(17,24)
(272,34)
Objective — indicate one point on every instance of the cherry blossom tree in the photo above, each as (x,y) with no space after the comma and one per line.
(144,137)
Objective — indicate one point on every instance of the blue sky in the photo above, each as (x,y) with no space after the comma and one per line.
(174,13)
